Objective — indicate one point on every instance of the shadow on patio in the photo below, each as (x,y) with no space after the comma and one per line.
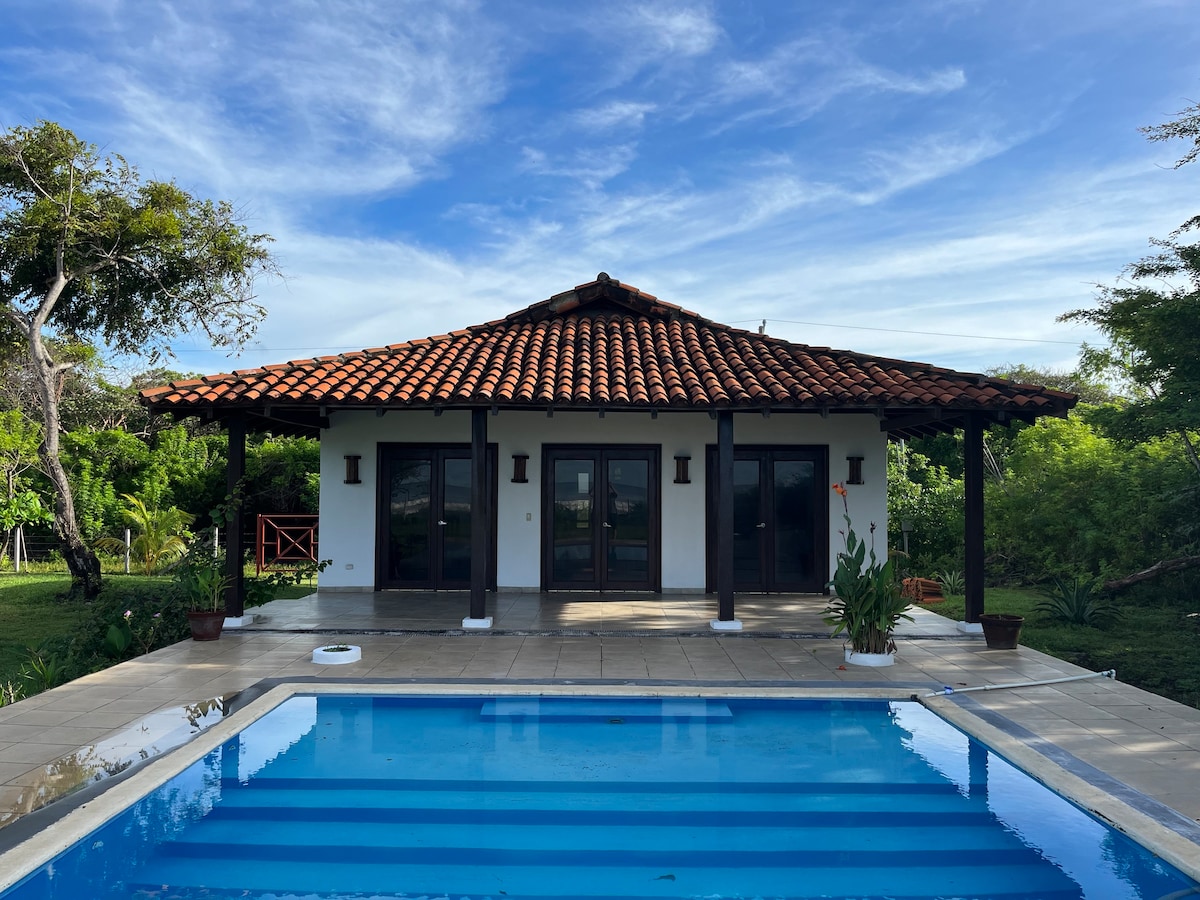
(561,613)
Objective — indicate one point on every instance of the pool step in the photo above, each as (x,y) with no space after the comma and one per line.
(466,876)
(585,840)
(609,835)
(614,711)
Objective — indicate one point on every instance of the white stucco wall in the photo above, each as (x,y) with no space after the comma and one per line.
(348,512)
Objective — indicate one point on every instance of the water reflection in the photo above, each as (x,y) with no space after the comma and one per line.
(155,734)
(1105,864)
(349,796)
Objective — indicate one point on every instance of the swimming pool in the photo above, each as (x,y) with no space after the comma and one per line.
(337,796)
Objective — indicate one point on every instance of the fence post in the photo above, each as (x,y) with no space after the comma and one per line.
(18,545)
(216,541)
(127,548)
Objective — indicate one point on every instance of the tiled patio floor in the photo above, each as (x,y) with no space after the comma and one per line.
(1118,736)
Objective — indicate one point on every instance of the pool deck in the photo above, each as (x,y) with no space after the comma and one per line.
(1130,744)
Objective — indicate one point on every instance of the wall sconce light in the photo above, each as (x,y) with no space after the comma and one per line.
(352,470)
(681,470)
(519,460)
(855,474)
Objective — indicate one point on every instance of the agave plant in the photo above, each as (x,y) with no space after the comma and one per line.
(952,582)
(1076,602)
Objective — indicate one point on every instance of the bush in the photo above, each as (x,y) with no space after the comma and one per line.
(1076,602)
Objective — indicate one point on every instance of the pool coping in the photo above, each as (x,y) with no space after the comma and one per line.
(1162,831)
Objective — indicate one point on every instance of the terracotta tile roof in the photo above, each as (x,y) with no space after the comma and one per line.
(607,344)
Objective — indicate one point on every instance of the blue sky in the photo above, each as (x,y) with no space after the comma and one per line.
(954,166)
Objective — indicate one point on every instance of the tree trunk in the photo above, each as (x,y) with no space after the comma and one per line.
(81,561)
(1190,451)
(1166,565)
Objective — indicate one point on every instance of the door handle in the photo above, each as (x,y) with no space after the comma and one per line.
(605,525)
(443,522)
(761,525)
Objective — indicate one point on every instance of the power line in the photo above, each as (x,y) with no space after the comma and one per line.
(979,337)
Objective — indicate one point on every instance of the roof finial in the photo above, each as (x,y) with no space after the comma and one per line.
(603,276)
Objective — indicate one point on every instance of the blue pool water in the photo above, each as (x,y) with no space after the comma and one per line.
(359,797)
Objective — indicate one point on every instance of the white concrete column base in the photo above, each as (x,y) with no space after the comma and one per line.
(239,621)
(970,628)
(477,624)
(725,624)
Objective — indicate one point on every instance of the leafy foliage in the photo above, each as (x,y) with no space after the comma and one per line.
(161,534)
(1074,501)
(867,603)
(924,495)
(952,582)
(1077,602)
(91,253)
(200,576)
(1152,321)
(1185,125)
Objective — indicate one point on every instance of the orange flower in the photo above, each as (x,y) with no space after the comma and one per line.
(840,489)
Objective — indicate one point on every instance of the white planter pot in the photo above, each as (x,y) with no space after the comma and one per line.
(870,659)
(326,656)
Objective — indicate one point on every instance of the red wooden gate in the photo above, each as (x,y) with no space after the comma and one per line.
(286,542)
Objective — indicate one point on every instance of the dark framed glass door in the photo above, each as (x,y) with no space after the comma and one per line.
(424,525)
(780,519)
(600,518)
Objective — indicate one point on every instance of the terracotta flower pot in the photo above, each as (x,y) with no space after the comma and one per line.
(1001,630)
(206,626)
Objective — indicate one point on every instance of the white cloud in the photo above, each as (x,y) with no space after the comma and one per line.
(616,114)
(288,98)
(926,159)
(802,76)
(675,28)
(590,166)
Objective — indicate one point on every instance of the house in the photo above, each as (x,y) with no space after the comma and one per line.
(602,440)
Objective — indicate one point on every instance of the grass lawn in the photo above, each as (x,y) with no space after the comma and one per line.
(1155,645)
(36,607)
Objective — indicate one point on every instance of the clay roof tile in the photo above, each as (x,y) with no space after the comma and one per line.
(607,343)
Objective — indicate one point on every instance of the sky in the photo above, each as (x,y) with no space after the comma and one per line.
(933,180)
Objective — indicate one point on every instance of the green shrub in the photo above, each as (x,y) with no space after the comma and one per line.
(1076,602)
(952,582)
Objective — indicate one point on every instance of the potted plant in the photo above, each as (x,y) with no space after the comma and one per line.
(867,602)
(203,583)
(1001,630)
(337,654)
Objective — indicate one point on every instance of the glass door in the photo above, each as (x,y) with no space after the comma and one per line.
(573,517)
(780,519)
(424,529)
(625,534)
(602,515)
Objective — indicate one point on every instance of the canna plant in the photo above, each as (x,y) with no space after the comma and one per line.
(867,604)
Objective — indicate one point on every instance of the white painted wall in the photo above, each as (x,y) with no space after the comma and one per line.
(348,511)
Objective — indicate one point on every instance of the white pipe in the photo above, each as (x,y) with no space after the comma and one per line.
(947,690)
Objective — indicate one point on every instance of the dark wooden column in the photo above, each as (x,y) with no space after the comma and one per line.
(973,507)
(235,550)
(725,516)
(479,514)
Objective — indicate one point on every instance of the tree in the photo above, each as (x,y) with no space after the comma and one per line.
(1152,321)
(91,253)
(1186,125)
(162,534)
